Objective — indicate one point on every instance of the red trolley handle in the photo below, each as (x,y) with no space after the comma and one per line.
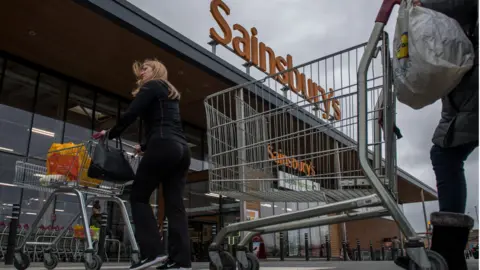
(385,10)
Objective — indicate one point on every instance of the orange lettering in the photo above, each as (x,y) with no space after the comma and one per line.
(281,66)
(254,46)
(215,7)
(263,54)
(248,47)
(244,40)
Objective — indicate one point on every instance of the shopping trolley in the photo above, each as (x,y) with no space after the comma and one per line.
(328,135)
(32,176)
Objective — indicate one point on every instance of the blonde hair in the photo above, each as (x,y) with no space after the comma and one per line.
(159,73)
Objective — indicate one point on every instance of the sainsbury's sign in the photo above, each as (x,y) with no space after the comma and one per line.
(247,46)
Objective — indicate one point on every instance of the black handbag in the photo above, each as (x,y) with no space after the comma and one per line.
(110,164)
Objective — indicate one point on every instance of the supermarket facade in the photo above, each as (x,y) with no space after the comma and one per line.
(65,70)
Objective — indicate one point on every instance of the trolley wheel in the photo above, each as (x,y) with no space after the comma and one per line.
(253,262)
(24,264)
(228,262)
(437,261)
(53,262)
(95,264)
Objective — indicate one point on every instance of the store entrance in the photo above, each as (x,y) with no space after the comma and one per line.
(201,230)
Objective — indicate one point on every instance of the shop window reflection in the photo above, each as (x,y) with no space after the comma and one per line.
(9,193)
(315,237)
(16,102)
(279,208)
(199,201)
(293,236)
(132,135)
(47,125)
(78,126)
(302,232)
(266,210)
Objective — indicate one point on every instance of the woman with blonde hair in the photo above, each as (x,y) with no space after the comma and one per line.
(166,160)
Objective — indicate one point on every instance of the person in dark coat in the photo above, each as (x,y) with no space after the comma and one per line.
(454,139)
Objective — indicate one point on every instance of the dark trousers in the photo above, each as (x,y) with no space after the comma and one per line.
(451,184)
(166,162)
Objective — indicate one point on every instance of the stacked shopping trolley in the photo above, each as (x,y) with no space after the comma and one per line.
(66,172)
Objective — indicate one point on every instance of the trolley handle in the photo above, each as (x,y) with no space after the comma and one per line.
(386,10)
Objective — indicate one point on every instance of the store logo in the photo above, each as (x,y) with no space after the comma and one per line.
(248,47)
(282,159)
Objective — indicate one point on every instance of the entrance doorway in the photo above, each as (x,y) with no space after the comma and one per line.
(201,230)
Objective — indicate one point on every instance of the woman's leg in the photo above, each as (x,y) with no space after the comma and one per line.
(451,184)
(146,230)
(178,237)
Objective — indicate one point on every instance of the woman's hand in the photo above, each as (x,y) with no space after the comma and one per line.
(138,150)
(417,3)
(99,135)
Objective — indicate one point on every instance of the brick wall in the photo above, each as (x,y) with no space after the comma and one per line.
(371,229)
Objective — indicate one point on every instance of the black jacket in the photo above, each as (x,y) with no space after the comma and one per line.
(160,114)
(459,121)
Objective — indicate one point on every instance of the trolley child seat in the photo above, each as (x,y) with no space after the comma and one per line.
(31,176)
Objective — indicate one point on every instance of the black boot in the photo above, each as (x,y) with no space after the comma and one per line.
(449,239)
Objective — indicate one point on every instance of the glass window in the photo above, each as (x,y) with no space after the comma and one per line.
(194,138)
(266,210)
(9,194)
(106,110)
(279,208)
(131,135)
(79,120)
(324,230)
(302,206)
(47,125)
(33,201)
(293,236)
(199,201)
(16,102)
(315,238)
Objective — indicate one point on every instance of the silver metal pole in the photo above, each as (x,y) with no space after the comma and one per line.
(425,218)
(362,110)
(339,181)
(242,157)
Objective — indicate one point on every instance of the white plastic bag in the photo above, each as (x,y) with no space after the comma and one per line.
(431,55)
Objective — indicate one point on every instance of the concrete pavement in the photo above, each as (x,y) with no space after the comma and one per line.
(265,265)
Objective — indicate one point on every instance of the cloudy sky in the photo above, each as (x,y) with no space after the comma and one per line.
(309,29)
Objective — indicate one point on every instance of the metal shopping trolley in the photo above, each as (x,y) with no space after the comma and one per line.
(318,138)
(35,177)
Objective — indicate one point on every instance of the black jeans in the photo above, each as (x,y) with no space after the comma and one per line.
(166,162)
(451,184)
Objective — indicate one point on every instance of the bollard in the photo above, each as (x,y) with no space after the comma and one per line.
(359,257)
(383,252)
(307,256)
(103,236)
(372,255)
(12,234)
(282,257)
(214,230)
(344,247)
(349,253)
(327,245)
(165,234)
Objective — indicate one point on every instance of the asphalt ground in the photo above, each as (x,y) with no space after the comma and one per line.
(264,265)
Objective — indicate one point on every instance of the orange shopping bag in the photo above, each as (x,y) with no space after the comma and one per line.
(64,159)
